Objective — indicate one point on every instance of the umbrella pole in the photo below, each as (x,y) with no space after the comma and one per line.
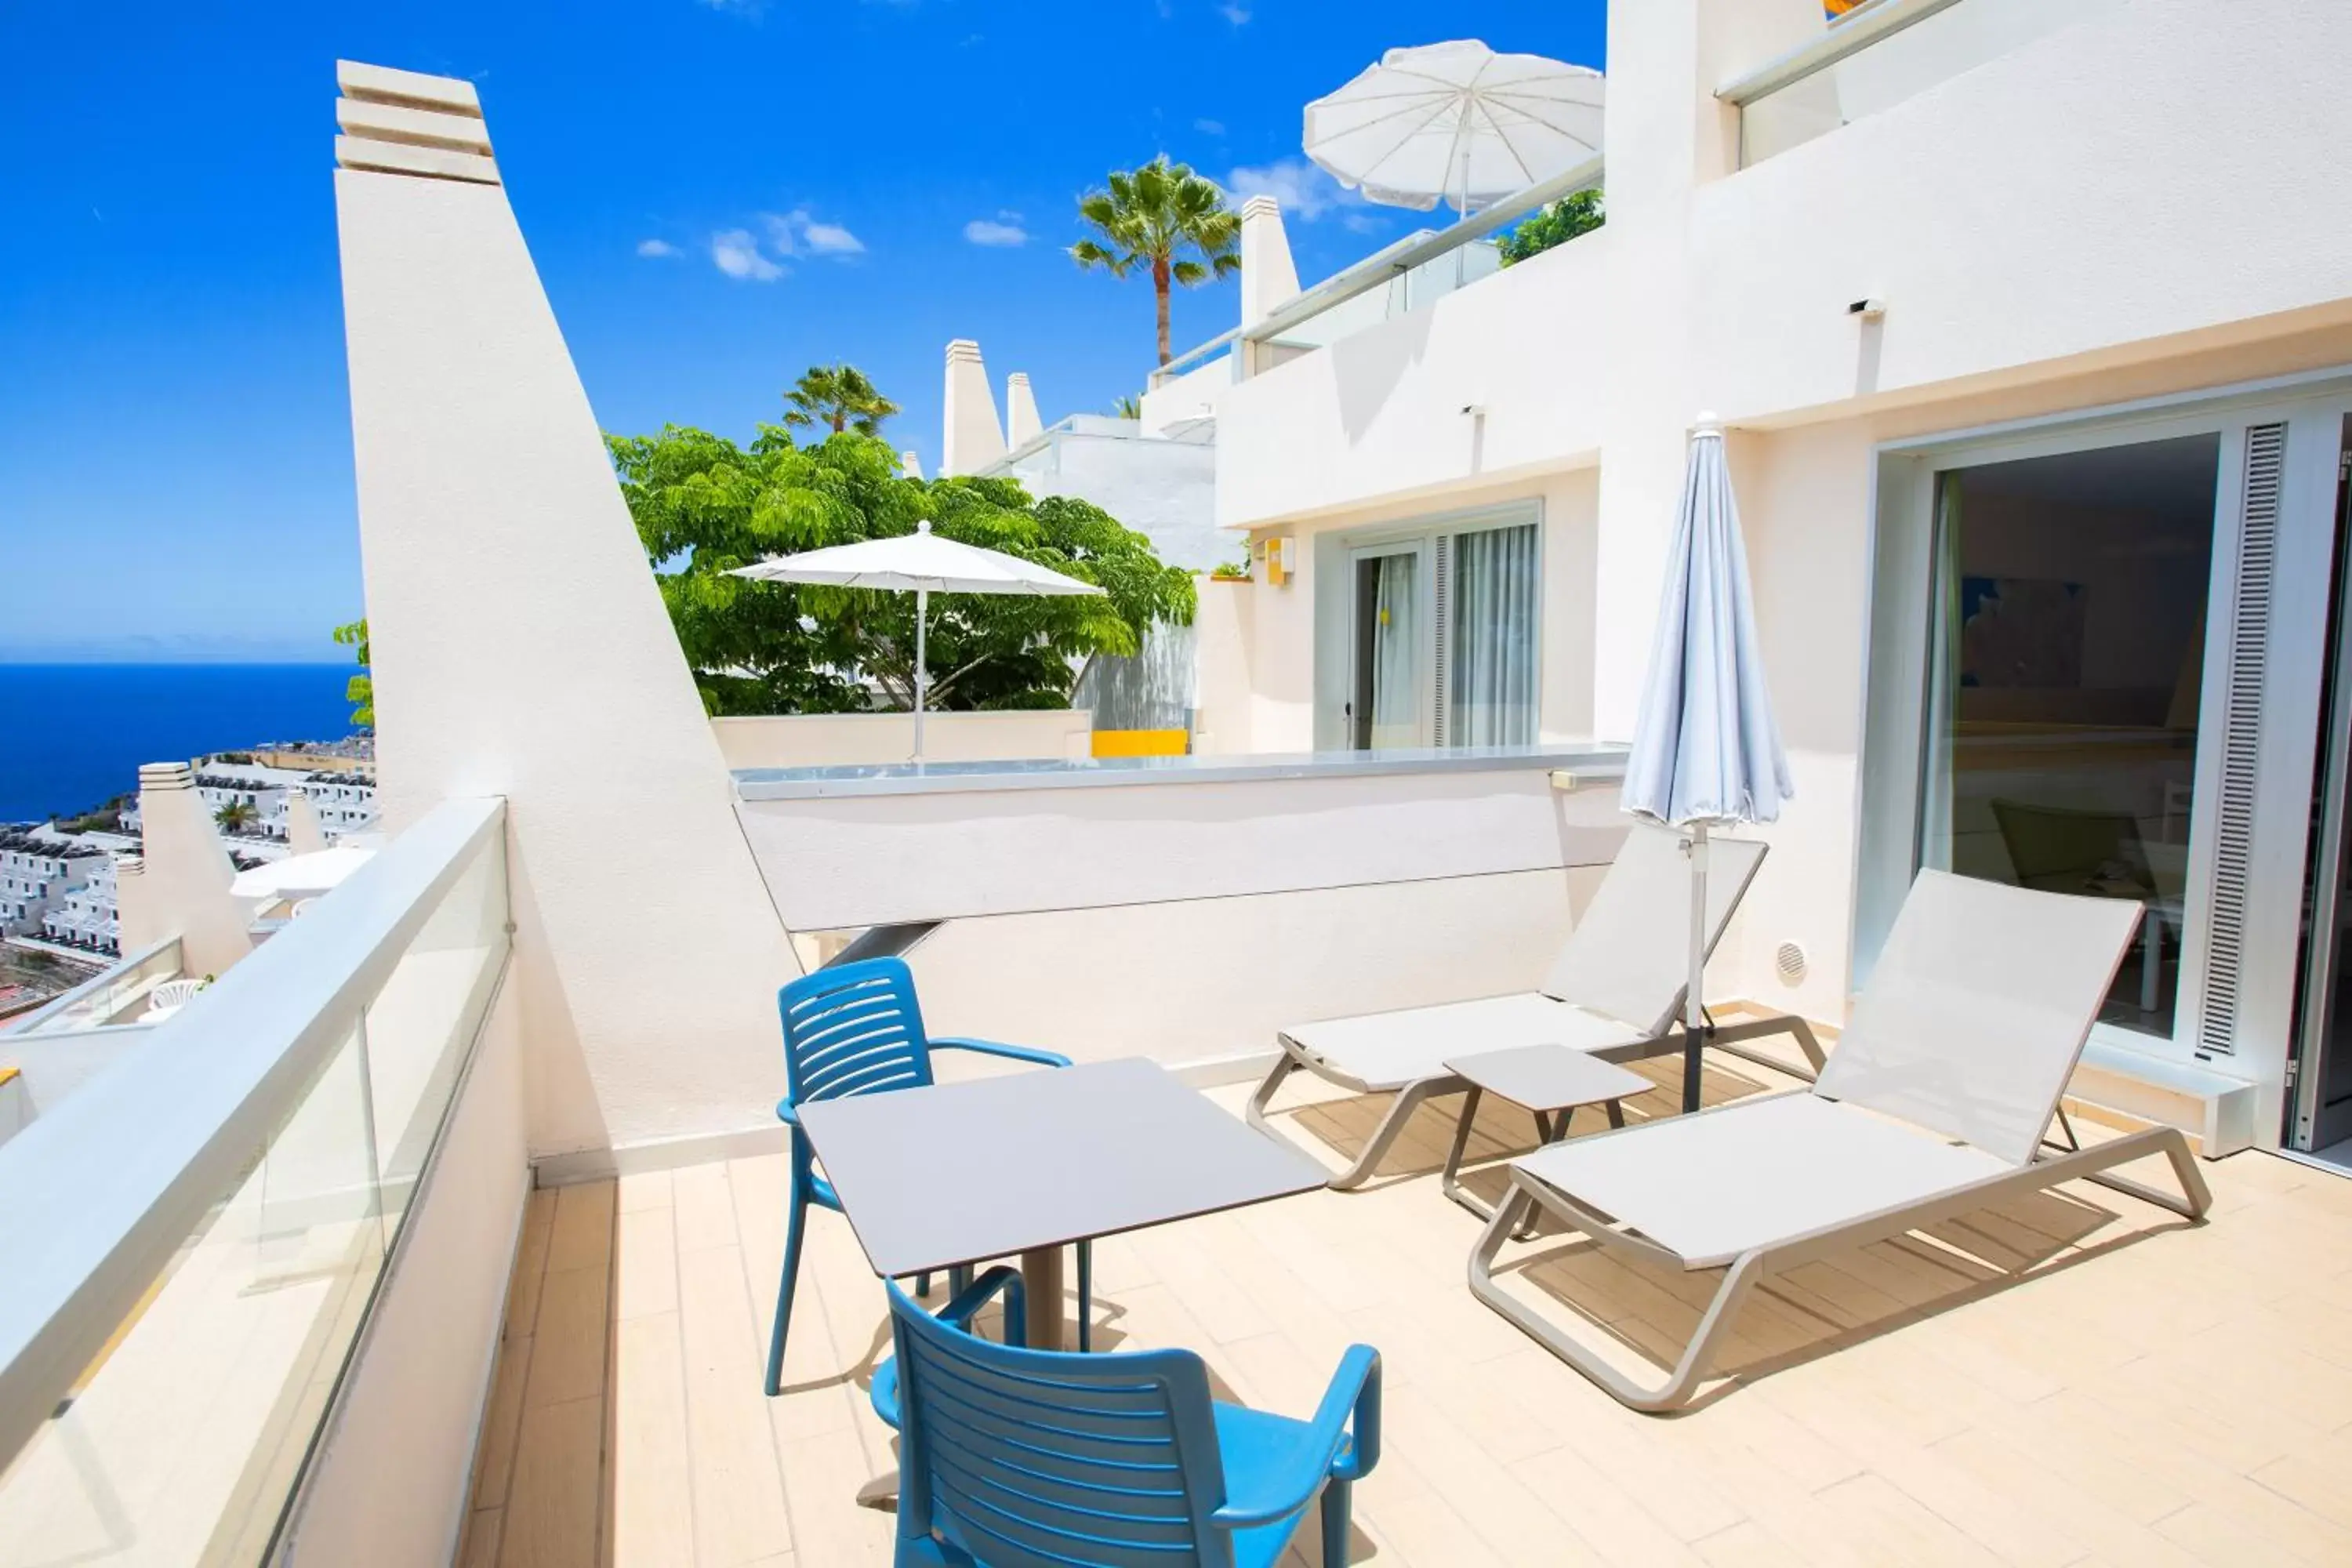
(1694,996)
(922,675)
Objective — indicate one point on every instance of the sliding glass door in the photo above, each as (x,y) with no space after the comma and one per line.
(1385,698)
(2067,657)
(1445,636)
(2096,655)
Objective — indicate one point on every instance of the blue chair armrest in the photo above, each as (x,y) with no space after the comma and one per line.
(1355,1391)
(788,1113)
(994,1048)
(976,1295)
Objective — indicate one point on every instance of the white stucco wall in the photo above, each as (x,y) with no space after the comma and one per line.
(521,650)
(2031,225)
(1216,978)
(826,739)
(1165,490)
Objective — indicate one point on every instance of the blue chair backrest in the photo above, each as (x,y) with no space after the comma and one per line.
(851,1030)
(1024,1456)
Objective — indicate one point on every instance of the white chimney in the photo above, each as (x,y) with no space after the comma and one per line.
(1021,421)
(188,872)
(1269,277)
(972,439)
(303,834)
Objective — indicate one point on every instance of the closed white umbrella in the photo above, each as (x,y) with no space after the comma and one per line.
(1706,749)
(1456,122)
(298,874)
(921,564)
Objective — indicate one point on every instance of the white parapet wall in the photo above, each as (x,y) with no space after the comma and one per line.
(522,648)
(836,740)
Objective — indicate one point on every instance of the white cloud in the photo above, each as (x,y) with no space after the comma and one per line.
(791,232)
(734,252)
(831,239)
(656,247)
(1004,229)
(1210,127)
(1305,191)
(1238,16)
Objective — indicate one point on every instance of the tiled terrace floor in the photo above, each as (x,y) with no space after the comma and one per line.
(2148,1392)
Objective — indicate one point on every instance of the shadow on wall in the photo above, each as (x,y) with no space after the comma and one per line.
(1369,366)
(561,1112)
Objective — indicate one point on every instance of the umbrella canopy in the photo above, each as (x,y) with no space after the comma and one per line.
(917,562)
(312,873)
(921,564)
(1706,748)
(1455,122)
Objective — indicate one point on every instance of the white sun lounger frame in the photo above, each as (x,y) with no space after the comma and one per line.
(1895,1065)
(1616,989)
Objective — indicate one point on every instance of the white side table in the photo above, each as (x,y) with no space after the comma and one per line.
(1545,1080)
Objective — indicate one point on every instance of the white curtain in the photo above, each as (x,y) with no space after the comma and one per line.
(1396,655)
(1491,682)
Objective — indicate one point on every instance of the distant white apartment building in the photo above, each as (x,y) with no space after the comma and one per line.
(88,916)
(37,871)
(345,801)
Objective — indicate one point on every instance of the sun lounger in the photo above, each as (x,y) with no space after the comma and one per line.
(1616,989)
(1935,1104)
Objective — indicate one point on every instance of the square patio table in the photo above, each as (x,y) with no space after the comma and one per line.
(1029,1163)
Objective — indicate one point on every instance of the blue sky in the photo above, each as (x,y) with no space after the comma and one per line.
(717,195)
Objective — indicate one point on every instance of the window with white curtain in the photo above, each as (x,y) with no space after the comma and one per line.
(1490,661)
(1445,629)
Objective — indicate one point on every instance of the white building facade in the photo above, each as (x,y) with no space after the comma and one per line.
(2040,471)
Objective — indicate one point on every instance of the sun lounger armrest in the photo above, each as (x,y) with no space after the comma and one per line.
(994,1048)
(788,1113)
(1343,1444)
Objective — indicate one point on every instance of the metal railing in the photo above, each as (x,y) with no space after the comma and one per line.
(96,1002)
(1383,269)
(193,1239)
(1807,92)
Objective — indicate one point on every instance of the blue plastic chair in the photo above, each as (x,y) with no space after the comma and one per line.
(1011,1455)
(852,1029)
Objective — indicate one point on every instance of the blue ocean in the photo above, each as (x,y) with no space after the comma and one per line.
(73,735)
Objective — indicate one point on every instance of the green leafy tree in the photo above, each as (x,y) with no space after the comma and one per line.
(838,397)
(1578,213)
(360,691)
(704,505)
(1149,218)
(1128,407)
(235,816)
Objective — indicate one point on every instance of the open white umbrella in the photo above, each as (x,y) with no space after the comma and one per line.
(921,564)
(298,874)
(1458,122)
(1706,749)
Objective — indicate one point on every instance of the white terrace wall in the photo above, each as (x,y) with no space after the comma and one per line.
(832,739)
(521,650)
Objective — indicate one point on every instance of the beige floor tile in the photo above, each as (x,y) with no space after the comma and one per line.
(554,1509)
(2143,1394)
(652,1484)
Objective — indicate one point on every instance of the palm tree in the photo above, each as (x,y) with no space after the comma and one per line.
(1150,216)
(838,397)
(1128,407)
(235,816)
